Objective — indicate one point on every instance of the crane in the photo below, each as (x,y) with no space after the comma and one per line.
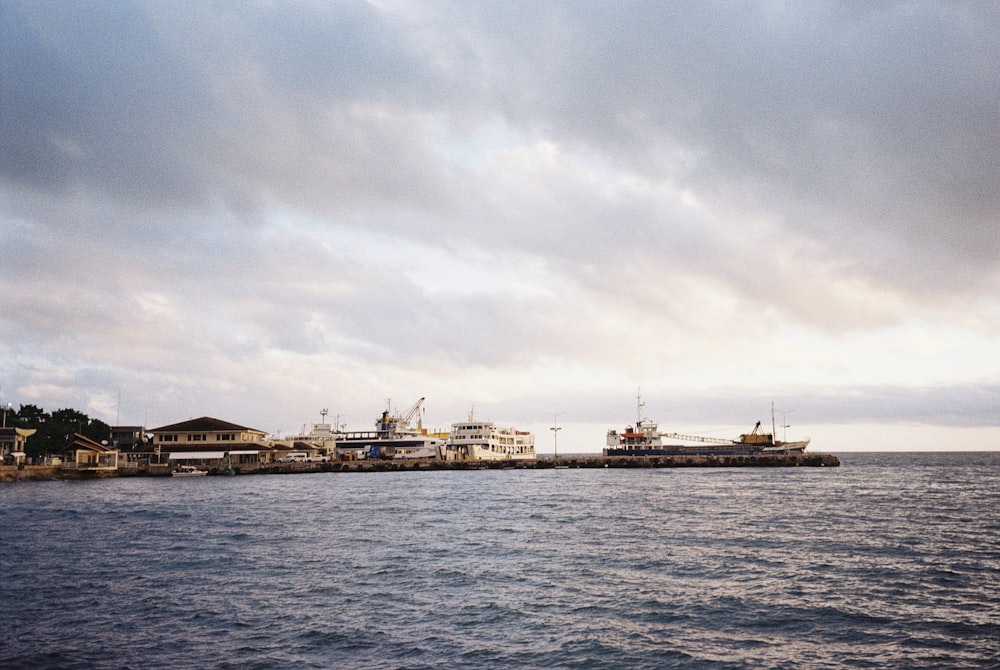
(755,436)
(405,420)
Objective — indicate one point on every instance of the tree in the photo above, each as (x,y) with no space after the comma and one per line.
(31,416)
(98,431)
(54,429)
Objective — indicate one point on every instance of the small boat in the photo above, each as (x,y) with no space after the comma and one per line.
(188,471)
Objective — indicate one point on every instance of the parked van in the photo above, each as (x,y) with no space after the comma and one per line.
(293,458)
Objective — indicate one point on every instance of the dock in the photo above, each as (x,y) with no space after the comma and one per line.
(39,473)
(596,461)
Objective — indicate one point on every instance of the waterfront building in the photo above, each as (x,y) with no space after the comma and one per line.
(83,453)
(210,441)
(128,439)
(12,441)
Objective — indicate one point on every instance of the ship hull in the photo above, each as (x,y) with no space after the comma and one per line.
(735,449)
(388,448)
(485,452)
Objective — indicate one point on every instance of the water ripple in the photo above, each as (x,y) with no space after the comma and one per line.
(888,561)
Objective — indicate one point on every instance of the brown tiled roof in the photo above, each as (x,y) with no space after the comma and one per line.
(78,441)
(203,424)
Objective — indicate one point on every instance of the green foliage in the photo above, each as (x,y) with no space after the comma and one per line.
(54,429)
(31,416)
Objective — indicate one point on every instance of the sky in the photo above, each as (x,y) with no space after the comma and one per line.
(259,210)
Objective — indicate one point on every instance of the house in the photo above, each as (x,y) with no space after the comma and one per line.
(83,453)
(209,441)
(128,438)
(12,442)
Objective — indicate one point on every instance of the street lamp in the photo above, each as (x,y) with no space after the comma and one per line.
(555,432)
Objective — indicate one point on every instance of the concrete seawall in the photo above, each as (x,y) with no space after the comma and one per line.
(36,473)
(777,461)
(40,473)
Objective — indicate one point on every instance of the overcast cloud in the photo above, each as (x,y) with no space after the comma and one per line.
(256,210)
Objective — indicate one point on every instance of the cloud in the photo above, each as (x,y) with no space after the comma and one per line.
(566,197)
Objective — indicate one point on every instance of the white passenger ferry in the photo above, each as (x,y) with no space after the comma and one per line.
(476,440)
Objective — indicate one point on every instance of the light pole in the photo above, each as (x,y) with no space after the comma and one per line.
(6,408)
(555,432)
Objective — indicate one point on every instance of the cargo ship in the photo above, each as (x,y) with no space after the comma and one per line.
(644,439)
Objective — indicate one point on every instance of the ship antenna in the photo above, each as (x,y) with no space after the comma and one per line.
(784,422)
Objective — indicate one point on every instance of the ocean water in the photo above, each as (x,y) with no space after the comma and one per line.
(890,561)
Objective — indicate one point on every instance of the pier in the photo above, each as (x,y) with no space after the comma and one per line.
(596,461)
(36,473)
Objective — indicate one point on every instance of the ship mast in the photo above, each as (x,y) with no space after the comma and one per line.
(774,432)
(784,423)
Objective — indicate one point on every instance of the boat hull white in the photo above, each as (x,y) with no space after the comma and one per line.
(184,472)
(484,452)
